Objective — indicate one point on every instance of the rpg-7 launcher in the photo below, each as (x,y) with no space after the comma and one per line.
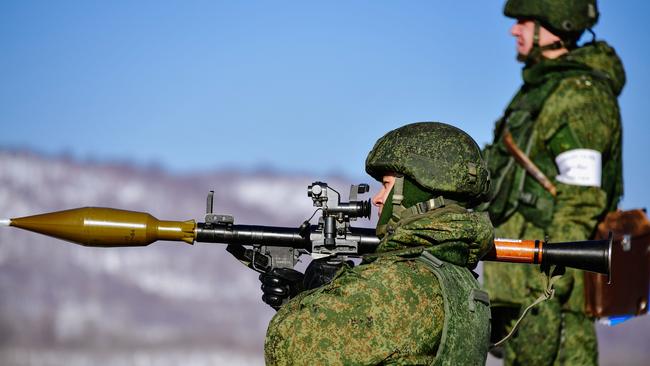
(268,247)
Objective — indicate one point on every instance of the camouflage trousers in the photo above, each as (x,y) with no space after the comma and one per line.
(390,311)
(549,335)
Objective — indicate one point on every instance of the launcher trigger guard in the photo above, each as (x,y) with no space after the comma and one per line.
(264,259)
(252,258)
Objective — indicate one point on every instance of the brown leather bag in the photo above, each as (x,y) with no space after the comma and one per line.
(627,294)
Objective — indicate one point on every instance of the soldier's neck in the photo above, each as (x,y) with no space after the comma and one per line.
(553,54)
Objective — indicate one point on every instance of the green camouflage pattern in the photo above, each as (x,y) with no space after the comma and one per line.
(570,338)
(559,16)
(437,156)
(564,104)
(467,312)
(393,308)
(442,232)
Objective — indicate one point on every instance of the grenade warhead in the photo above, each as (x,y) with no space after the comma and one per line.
(106,227)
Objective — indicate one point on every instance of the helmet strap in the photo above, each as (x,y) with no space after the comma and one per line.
(537,52)
(536,34)
(398,197)
(400,212)
(426,206)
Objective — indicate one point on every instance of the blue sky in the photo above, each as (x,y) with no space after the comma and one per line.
(295,86)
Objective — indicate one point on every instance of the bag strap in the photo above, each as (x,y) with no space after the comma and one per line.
(525,162)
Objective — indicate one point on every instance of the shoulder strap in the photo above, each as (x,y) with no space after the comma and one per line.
(527,164)
(466,331)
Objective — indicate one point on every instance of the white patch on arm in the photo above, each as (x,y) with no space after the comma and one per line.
(580,167)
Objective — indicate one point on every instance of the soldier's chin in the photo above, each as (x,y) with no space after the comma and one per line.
(522,57)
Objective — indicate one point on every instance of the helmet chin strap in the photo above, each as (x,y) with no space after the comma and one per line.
(398,197)
(536,53)
(400,212)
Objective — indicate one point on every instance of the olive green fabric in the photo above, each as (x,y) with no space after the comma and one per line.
(570,338)
(393,308)
(559,16)
(564,104)
(443,232)
(467,311)
(413,193)
(439,157)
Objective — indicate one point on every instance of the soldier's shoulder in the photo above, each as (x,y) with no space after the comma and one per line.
(581,102)
(580,90)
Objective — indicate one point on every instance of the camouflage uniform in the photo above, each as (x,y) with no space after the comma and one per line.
(565,104)
(413,302)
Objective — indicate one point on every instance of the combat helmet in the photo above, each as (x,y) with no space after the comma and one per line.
(563,18)
(439,157)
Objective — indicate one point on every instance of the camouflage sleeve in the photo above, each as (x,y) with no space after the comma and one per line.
(586,108)
(579,115)
(388,312)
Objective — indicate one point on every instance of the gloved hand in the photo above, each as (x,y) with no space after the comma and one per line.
(279,285)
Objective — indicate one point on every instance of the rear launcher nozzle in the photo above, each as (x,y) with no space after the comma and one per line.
(587,255)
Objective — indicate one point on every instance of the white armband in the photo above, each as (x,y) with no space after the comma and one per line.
(579,167)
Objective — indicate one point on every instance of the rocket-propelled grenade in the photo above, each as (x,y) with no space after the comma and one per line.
(106,227)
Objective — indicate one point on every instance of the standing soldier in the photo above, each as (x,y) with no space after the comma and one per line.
(415,301)
(556,168)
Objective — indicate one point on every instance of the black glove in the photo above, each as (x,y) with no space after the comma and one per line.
(279,285)
(321,272)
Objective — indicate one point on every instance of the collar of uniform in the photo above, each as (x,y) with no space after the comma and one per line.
(545,69)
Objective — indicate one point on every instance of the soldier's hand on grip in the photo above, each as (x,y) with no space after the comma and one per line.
(279,285)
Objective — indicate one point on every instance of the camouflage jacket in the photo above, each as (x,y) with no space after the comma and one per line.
(566,104)
(443,232)
(400,306)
